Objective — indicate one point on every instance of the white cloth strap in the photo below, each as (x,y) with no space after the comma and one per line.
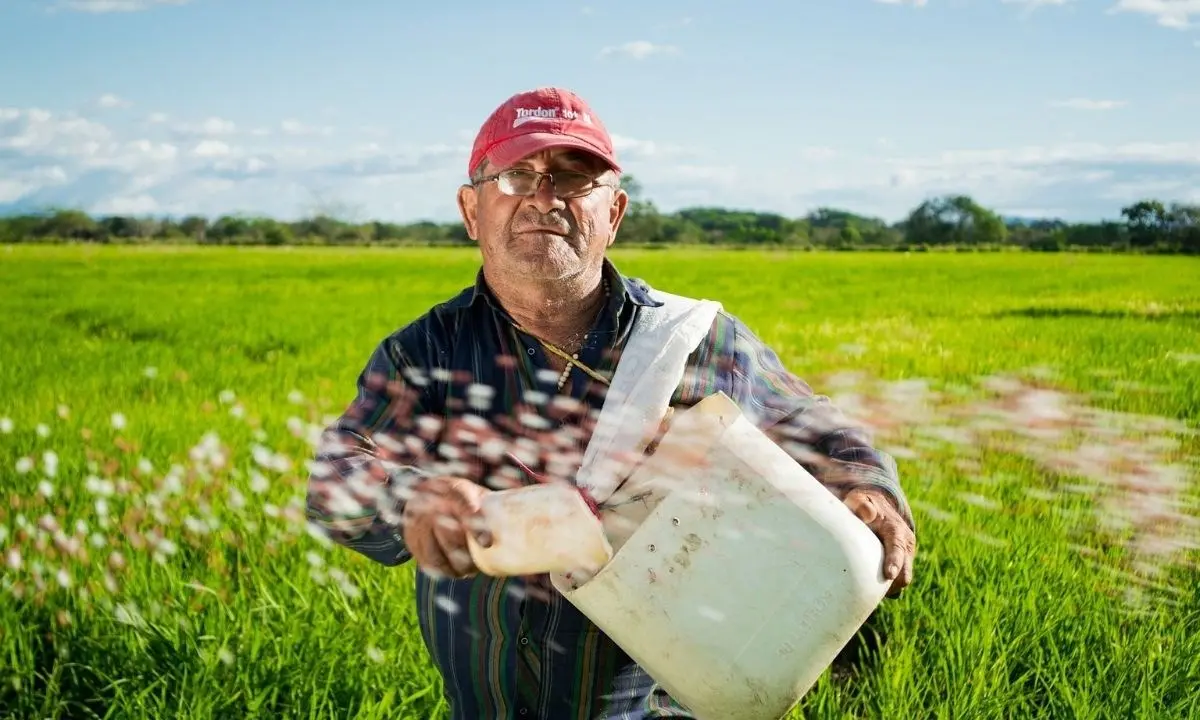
(649,370)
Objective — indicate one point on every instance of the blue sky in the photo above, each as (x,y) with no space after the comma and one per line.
(367,108)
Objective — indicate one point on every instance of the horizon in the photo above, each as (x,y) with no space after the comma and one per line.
(1037,109)
(176,218)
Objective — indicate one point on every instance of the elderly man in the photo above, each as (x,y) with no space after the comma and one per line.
(501,384)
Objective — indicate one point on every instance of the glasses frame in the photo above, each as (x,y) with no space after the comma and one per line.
(592,185)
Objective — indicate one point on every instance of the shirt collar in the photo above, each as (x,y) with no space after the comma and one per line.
(630,289)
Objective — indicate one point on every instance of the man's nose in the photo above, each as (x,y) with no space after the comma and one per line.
(544,198)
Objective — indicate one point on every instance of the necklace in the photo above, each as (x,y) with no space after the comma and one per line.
(571,358)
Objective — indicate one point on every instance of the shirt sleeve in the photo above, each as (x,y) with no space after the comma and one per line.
(809,427)
(368,458)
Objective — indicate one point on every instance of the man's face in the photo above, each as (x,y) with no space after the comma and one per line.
(542,236)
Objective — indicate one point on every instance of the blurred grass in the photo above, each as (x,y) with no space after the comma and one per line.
(251,617)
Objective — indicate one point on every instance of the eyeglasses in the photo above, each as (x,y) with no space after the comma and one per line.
(521,182)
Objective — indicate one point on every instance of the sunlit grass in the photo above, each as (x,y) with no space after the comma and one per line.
(157,409)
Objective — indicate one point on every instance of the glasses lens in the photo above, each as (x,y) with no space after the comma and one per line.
(568,183)
(518,182)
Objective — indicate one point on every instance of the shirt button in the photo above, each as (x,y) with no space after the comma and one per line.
(523,711)
(524,641)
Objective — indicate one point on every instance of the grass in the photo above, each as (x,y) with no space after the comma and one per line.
(156,565)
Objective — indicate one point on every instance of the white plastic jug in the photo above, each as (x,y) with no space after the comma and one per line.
(539,529)
(736,577)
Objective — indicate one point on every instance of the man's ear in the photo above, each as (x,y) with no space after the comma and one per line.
(616,213)
(468,208)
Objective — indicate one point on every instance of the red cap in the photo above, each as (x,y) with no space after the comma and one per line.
(537,120)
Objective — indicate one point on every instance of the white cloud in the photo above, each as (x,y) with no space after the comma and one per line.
(632,150)
(914,3)
(1089,104)
(295,127)
(638,50)
(1076,181)
(35,130)
(211,148)
(817,153)
(1033,155)
(1082,179)
(207,128)
(112,6)
(1177,14)
(127,205)
(15,184)
(213,167)
(152,151)
(108,100)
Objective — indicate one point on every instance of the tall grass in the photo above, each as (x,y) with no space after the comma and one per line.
(158,405)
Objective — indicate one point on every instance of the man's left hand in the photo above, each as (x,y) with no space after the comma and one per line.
(880,513)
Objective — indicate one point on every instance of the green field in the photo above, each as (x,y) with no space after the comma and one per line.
(168,573)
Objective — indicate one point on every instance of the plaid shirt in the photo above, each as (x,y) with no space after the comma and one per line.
(447,394)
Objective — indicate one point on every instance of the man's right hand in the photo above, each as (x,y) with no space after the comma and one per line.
(437,517)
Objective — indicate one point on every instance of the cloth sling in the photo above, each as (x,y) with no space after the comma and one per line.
(648,372)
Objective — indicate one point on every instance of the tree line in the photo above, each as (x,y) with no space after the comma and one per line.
(954,222)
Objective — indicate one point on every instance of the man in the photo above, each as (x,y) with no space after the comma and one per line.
(500,386)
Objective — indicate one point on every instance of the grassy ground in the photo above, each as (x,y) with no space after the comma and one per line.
(156,407)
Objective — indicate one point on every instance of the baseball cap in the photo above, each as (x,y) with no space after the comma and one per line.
(536,120)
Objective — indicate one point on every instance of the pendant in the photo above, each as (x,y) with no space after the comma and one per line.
(566,373)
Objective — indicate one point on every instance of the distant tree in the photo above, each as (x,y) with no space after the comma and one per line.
(70,225)
(1147,222)
(951,221)
(632,187)
(954,220)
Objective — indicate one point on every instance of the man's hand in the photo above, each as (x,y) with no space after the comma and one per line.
(880,514)
(437,518)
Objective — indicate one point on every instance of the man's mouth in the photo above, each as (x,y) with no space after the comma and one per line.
(544,231)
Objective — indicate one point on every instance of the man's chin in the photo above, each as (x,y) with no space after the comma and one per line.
(539,266)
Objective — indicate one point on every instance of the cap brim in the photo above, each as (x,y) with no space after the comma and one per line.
(513,150)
